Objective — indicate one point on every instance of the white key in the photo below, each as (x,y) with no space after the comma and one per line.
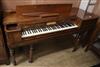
(31,31)
(59,26)
(55,27)
(47,28)
(51,28)
(41,30)
(37,31)
(26,32)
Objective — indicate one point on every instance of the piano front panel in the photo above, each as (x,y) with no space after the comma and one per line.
(16,41)
(13,37)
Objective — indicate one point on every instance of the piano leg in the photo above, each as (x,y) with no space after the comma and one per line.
(31,54)
(12,52)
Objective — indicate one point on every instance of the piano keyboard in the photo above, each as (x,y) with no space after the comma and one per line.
(48,29)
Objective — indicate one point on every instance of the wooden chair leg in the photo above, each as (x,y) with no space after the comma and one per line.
(92,39)
(76,46)
(88,47)
(77,41)
(12,52)
(31,54)
(83,40)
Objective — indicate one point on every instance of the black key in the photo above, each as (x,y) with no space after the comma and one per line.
(32,30)
(28,31)
(39,30)
(61,26)
(53,27)
(23,33)
(44,29)
(49,28)
(72,24)
(66,25)
(36,30)
(57,26)
(69,24)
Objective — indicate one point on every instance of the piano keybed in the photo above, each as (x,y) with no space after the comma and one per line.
(39,30)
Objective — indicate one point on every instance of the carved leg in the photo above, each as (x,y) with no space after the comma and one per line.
(31,54)
(12,56)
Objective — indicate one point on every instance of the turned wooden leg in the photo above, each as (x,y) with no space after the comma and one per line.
(12,52)
(31,54)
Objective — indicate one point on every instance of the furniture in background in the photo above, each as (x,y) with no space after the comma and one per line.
(87,24)
(4,57)
(96,43)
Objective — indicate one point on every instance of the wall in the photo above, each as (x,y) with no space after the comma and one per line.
(10,5)
(97,12)
(74,2)
(97,8)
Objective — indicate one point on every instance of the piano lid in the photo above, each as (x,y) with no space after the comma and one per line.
(63,9)
(28,12)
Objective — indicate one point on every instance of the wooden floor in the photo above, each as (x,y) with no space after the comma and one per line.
(55,53)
